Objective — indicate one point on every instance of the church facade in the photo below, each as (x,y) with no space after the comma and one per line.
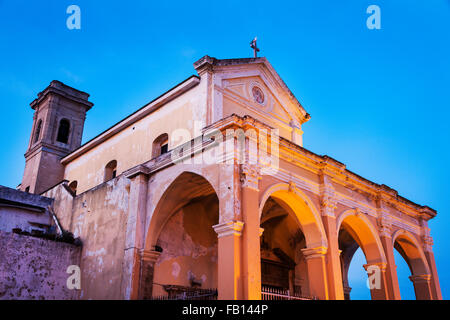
(208,188)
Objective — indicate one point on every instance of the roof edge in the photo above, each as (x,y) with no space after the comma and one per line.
(153,105)
(211,62)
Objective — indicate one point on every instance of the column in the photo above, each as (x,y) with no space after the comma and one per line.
(435,286)
(344,267)
(333,260)
(251,255)
(422,286)
(317,271)
(229,260)
(377,280)
(135,233)
(148,260)
(391,270)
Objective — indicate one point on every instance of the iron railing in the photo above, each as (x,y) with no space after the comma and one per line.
(271,293)
(267,293)
(203,294)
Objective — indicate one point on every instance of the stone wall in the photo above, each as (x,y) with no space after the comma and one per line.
(35,268)
(99,218)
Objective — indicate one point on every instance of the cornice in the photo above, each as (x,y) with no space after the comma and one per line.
(337,171)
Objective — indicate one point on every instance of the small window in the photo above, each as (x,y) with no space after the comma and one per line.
(38,131)
(63,131)
(160,145)
(73,186)
(110,170)
(27,189)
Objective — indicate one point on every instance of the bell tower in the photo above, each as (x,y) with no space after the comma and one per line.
(58,122)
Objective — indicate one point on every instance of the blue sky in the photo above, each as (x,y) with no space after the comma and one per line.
(379,99)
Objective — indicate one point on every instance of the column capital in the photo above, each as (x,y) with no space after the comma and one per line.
(421,278)
(250,176)
(328,201)
(149,255)
(229,228)
(427,243)
(385,225)
(317,252)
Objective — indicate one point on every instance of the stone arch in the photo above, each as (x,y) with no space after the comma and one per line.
(186,185)
(307,248)
(294,201)
(180,239)
(410,249)
(364,233)
(355,230)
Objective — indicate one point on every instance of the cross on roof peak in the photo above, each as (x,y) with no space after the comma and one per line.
(254,47)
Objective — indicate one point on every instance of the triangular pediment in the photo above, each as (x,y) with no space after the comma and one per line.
(242,89)
(252,83)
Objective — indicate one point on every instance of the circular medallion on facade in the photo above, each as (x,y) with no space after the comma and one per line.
(258,95)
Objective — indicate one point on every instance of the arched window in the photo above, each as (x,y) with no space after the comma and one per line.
(160,145)
(63,131)
(38,131)
(73,186)
(110,170)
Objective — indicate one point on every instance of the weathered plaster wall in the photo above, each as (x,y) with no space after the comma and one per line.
(99,219)
(34,268)
(189,246)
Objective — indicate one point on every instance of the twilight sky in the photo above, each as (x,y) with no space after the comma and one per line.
(379,99)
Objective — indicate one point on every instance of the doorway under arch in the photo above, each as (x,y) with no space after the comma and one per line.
(293,232)
(283,267)
(181,229)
